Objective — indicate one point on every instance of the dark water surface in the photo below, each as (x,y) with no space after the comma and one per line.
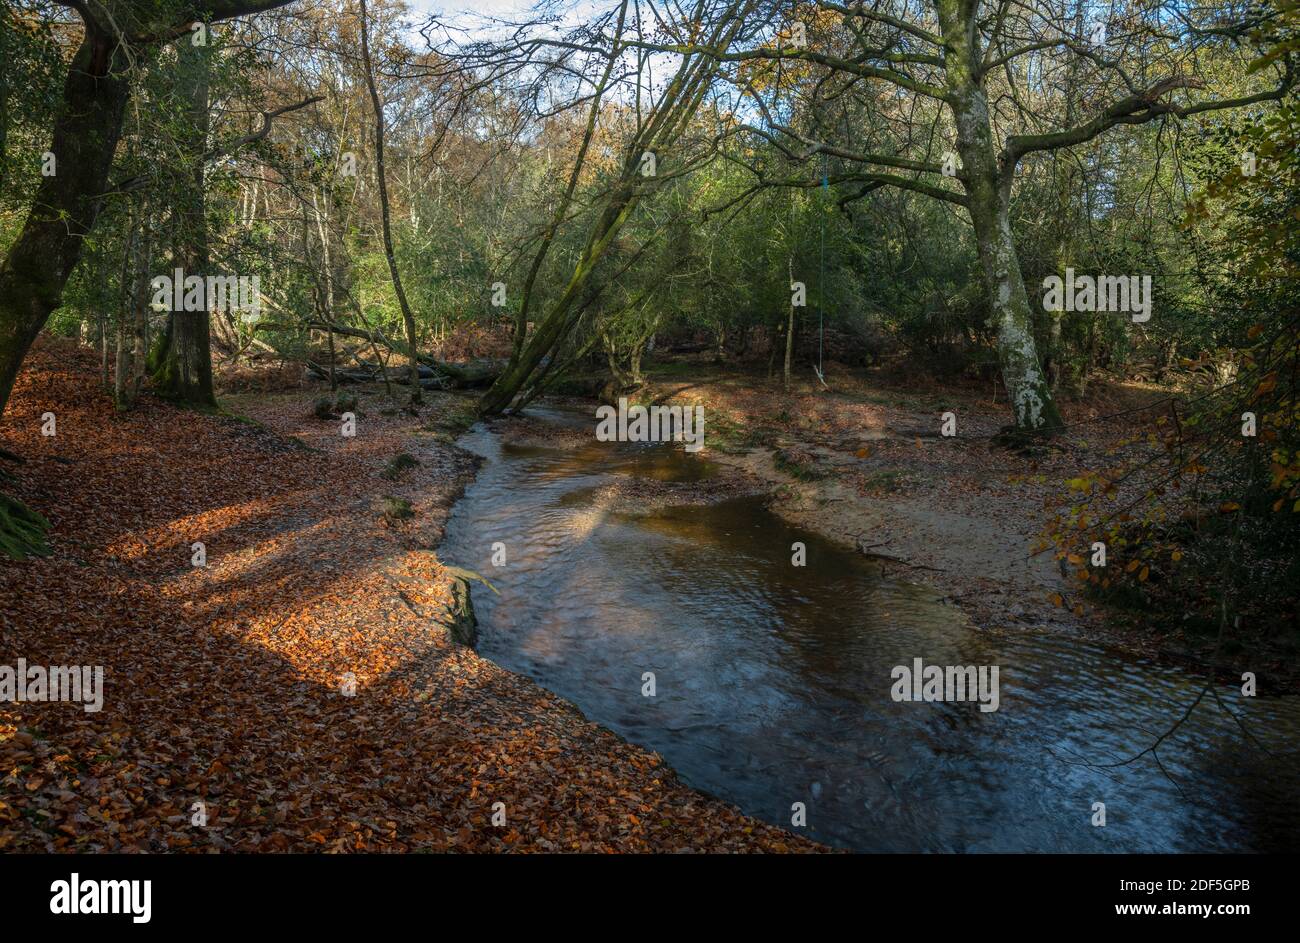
(773,681)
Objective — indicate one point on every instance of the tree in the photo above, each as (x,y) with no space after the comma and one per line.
(659,128)
(407,318)
(182,367)
(870,59)
(84,140)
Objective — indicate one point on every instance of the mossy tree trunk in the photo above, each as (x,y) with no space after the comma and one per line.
(183,367)
(661,129)
(408,319)
(22,530)
(67,203)
(789,330)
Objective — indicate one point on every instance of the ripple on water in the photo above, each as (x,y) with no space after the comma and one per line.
(773,681)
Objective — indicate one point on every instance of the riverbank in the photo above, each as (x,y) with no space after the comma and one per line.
(865,464)
(296,691)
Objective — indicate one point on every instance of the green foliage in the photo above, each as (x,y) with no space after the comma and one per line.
(31,79)
(1202,508)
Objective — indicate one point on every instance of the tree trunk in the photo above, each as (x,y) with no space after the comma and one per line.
(327,299)
(789,330)
(634,363)
(620,381)
(122,364)
(103,349)
(1027,387)
(661,129)
(125,316)
(407,317)
(140,306)
(184,369)
(7,29)
(988,189)
(559,320)
(65,206)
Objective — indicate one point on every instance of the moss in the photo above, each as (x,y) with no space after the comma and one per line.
(264,431)
(396,509)
(891,480)
(732,437)
(462,623)
(573,384)
(241,418)
(22,530)
(155,362)
(397,466)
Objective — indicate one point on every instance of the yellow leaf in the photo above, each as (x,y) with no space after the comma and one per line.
(1142,577)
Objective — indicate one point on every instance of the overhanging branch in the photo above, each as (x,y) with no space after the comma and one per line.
(1135,109)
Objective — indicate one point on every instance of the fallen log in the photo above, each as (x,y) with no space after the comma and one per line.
(426,372)
(475,373)
(342,374)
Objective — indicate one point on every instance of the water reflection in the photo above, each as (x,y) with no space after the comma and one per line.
(773,681)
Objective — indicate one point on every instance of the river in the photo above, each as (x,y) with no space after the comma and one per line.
(772,681)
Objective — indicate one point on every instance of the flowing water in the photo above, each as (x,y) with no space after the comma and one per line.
(773,681)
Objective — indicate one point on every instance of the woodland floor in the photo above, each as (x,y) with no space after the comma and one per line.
(223,684)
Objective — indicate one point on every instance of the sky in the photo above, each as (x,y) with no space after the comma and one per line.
(472,14)
(491,7)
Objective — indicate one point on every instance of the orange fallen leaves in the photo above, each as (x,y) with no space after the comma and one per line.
(222,684)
